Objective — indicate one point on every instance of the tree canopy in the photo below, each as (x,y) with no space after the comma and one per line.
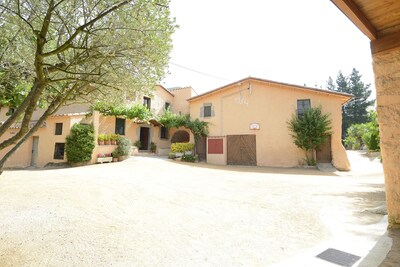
(58,51)
(197,127)
(355,111)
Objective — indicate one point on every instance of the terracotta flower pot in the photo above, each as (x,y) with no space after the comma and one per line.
(100,142)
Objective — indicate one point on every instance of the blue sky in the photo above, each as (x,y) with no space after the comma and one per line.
(299,42)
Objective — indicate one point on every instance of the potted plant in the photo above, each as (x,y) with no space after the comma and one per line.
(124,148)
(114,138)
(107,139)
(138,144)
(153,147)
(115,155)
(100,139)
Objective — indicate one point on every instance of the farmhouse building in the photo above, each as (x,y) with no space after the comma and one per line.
(247,125)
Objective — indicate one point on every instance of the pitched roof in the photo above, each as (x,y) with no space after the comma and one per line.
(67,110)
(311,89)
(168,91)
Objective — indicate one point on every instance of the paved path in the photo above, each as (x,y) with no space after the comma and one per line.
(154,212)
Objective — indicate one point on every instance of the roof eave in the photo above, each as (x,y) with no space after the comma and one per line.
(270,82)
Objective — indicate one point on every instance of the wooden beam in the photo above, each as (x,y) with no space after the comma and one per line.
(386,43)
(350,9)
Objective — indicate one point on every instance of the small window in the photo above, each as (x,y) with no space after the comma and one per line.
(147,102)
(59,128)
(163,132)
(10,111)
(302,105)
(207,110)
(120,126)
(167,105)
(59,151)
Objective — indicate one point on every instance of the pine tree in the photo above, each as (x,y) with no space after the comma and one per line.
(330,85)
(354,111)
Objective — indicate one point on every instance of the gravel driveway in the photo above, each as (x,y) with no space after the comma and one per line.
(154,212)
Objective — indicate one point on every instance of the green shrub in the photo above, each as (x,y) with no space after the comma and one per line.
(153,147)
(364,134)
(181,147)
(80,143)
(171,155)
(310,131)
(189,158)
(138,144)
(115,153)
(124,147)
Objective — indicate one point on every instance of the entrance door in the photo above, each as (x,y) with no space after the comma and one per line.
(324,152)
(35,148)
(144,138)
(201,148)
(241,150)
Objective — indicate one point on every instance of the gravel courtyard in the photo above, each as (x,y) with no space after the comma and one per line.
(148,211)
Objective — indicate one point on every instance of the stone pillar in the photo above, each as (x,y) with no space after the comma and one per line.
(387,78)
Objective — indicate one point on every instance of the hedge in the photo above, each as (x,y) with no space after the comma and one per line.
(181,147)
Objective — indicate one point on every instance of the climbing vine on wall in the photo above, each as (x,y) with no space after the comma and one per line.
(136,111)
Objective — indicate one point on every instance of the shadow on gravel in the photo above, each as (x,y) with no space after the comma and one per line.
(258,169)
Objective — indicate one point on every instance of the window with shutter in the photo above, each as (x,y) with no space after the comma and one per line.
(207,110)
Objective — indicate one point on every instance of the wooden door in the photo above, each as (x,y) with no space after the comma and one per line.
(241,150)
(35,150)
(201,148)
(324,151)
(144,138)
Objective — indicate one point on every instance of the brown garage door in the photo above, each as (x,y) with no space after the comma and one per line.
(241,150)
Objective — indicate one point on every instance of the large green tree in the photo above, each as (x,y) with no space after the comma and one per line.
(77,50)
(355,111)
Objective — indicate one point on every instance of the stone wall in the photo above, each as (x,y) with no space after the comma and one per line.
(387,78)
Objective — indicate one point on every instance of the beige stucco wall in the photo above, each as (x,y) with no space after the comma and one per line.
(161,96)
(180,104)
(271,106)
(47,139)
(22,157)
(387,80)
(3,112)
(217,159)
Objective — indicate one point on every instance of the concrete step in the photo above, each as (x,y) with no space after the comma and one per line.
(326,167)
(145,153)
